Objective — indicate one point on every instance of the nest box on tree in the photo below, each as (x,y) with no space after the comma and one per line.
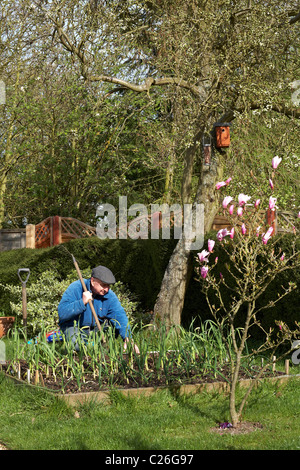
(222,131)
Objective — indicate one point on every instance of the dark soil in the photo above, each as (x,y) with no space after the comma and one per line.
(130,376)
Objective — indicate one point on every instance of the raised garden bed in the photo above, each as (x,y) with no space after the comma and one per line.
(153,375)
(92,386)
(182,360)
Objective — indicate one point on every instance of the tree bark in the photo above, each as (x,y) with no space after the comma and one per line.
(170,301)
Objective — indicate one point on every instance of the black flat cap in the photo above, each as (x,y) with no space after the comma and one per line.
(103,274)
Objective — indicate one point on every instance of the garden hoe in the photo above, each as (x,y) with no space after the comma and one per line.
(85,290)
(24,294)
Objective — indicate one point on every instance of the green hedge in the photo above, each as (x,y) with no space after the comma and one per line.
(140,265)
(286,310)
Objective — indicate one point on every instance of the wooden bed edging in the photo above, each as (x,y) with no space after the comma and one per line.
(74,399)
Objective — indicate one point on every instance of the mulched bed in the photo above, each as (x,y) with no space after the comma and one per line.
(150,378)
(241,428)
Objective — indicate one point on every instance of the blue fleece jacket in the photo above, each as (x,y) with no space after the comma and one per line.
(71,308)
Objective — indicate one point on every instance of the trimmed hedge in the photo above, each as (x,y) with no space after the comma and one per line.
(140,265)
(287,310)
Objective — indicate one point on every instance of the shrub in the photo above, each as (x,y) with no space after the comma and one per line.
(253,261)
(287,310)
(44,295)
(139,264)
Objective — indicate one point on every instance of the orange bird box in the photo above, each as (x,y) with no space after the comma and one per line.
(222,135)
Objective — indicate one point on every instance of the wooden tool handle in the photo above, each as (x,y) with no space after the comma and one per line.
(85,290)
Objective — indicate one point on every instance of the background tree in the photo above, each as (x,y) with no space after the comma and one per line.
(68,148)
(273,134)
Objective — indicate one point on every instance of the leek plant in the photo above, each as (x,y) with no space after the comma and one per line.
(165,356)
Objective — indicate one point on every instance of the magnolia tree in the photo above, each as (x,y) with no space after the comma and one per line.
(255,259)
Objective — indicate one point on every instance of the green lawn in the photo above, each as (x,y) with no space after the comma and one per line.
(32,419)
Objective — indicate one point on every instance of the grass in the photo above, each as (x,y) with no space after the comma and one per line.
(32,419)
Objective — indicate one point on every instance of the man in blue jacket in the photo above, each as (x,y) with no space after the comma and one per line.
(74,312)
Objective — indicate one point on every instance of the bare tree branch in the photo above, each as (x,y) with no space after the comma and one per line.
(145,87)
(279,108)
(150,81)
(295,19)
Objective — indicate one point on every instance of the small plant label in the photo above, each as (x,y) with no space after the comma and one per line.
(2,353)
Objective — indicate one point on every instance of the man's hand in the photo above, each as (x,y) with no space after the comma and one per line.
(86,296)
(136,349)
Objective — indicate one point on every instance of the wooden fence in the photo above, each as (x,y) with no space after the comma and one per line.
(281,221)
(56,230)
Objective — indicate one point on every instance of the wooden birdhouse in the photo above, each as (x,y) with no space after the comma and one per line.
(222,134)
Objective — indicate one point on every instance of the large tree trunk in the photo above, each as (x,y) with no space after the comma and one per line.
(170,301)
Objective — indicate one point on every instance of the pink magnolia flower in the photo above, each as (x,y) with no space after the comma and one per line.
(216,259)
(228,181)
(203,256)
(243,199)
(243,229)
(222,233)
(231,209)
(220,184)
(271,184)
(257,203)
(275,161)
(272,202)
(298,215)
(226,201)
(267,235)
(239,211)
(232,233)
(211,244)
(204,271)
(282,256)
